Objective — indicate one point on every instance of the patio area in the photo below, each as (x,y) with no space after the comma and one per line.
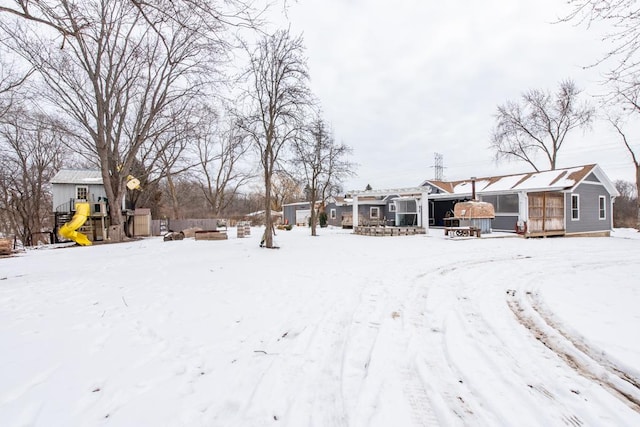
(365,230)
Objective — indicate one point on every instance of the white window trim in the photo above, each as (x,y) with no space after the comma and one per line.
(392,207)
(332,214)
(577,196)
(372,210)
(86,187)
(602,200)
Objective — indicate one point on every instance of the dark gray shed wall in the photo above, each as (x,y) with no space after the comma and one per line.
(289,212)
(588,202)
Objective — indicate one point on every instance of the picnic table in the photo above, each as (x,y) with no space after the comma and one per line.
(458,231)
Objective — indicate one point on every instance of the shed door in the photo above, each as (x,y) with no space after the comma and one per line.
(546,212)
(302,216)
(406,212)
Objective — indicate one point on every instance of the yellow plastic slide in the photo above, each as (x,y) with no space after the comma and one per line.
(68,230)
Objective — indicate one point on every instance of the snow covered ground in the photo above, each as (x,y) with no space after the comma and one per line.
(336,330)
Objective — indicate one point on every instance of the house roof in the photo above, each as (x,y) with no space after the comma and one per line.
(77,176)
(553,180)
(411,191)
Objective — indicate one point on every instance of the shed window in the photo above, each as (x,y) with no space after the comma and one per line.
(392,207)
(602,207)
(82,191)
(575,207)
(332,214)
(374,212)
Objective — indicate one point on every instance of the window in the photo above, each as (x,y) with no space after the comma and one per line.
(82,191)
(374,213)
(508,203)
(332,214)
(406,212)
(602,205)
(575,207)
(392,207)
(504,203)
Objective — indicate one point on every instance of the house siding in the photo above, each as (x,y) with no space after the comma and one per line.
(592,177)
(504,223)
(340,210)
(62,194)
(589,209)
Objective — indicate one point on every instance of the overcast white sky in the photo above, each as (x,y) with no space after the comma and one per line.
(402,80)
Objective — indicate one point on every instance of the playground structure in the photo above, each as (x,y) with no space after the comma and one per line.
(82,222)
(69,229)
(81,210)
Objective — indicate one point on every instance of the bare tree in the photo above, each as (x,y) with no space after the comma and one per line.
(182,194)
(323,164)
(166,154)
(623,34)
(285,188)
(10,80)
(539,124)
(121,69)
(618,125)
(276,101)
(625,210)
(31,152)
(623,77)
(220,155)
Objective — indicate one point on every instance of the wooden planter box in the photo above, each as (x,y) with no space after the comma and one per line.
(6,246)
(211,235)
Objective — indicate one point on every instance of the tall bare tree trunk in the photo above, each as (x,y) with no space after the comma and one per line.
(268,220)
(278,98)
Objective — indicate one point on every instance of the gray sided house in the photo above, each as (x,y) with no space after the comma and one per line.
(570,201)
(391,208)
(371,210)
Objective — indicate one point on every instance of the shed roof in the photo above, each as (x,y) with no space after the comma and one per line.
(77,176)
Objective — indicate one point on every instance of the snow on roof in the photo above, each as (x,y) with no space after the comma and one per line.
(77,176)
(392,191)
(558,179)
(261,213)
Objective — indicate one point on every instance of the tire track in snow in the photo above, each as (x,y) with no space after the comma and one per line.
(434,379)
(581,361)
(361,339)
(372,373)
(594,353)
(459,319)
(516,376)
(423,412)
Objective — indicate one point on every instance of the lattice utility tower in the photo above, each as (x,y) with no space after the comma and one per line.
(438,167)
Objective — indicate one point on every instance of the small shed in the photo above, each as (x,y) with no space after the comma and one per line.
(142,222)
(475,214)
